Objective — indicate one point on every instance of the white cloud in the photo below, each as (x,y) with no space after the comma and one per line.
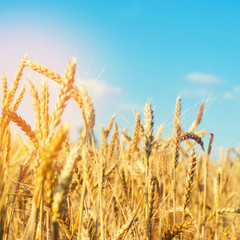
(195,93)
(100,90)
(130,106)
(233,95)
(204,78)
(228,95)
(236,89)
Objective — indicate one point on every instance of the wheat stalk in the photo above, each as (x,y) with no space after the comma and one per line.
(121,234)
(148,113)
(63,185)
(175,151)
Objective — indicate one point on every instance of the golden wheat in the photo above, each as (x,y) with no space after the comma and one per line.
(53,188)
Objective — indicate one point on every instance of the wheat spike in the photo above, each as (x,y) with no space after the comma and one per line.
(163,165)
(75,93)
(177,230)
(111,146)
(116,209)
(124,184)
(148,113)
(13,88)
(135,138)
(117,141)
(87,110)
(4,90)
(128,138)
(198,118)
(150,206)
(49,185)
(43,70)
(176,133)
(104,145)
(50,152)
(70,70)
(63,97)
(109,125)
(36,107)
(44,116)
(190,135)
(20,123)
(159,133)
(222,211)
(19,98)
(190,179)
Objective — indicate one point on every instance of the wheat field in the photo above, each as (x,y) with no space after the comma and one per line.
(129,187)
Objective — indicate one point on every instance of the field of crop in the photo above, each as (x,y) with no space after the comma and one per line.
(129,187)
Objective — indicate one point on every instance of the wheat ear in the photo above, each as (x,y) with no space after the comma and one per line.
(18,99)
(159,133)
(195,137)
(198,118)
(176,133)
(36,107)
(44,116)
(111,146)
(222,211)
(64,96)
(148,113)
(104,144)
(13,88)
(43,70)
(87,110)
(150,206)
(20,123)
(177,230)
(109,125)
(189,180)
(135,138)
(4,90)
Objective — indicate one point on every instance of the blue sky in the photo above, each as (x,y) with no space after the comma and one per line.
(132,51)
